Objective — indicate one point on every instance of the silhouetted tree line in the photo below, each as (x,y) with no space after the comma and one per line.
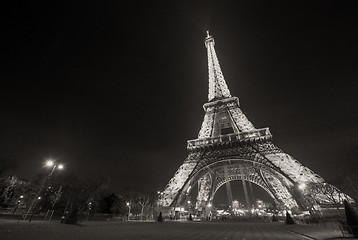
(73,198)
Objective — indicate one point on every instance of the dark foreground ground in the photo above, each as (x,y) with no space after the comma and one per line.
(38,230)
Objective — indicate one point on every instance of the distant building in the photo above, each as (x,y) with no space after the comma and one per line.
(237,208)
(259,204)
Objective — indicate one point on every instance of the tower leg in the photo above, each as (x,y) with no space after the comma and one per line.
(204,185)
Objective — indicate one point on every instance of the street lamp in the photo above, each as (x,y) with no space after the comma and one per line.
(129,209)
(17,203)
(49,163)
(160,198)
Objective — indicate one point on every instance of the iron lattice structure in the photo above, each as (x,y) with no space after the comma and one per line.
(229,148)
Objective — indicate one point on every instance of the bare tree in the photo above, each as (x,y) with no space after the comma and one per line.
(79,192)
(8,191)
(143,201)
(325,193)
(55,197)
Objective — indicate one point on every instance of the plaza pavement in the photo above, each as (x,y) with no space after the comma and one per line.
(115,230)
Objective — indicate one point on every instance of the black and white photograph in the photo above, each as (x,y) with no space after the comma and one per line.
(200,119)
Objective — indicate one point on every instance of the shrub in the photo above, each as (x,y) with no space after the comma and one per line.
(160,217)
(289,219)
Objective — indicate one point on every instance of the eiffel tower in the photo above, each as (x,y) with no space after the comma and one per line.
(229,148)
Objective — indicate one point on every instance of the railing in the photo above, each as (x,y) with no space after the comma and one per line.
(229,137)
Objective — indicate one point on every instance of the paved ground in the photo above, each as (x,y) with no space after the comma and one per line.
(37,230)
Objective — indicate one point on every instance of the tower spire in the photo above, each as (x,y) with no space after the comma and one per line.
(217,85)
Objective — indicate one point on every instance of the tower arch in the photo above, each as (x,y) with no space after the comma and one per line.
(231,179)
(210,177)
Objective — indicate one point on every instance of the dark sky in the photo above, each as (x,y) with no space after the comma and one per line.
(116,88)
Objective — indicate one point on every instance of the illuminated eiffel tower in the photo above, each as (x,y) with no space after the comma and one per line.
(229,148)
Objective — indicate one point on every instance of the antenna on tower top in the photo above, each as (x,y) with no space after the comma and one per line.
(207,34)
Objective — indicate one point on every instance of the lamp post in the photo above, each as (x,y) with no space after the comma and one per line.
(208,211)
(129,209)
(17,204)
(49,163)
(160,199)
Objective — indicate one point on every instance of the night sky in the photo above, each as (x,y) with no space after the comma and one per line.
(116,89)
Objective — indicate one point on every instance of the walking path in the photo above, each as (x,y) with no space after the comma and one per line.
(38,230)
(328,231)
